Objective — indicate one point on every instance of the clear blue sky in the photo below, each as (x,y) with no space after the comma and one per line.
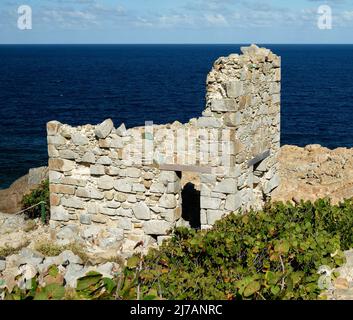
(176,21)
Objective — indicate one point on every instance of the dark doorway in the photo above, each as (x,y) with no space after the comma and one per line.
(191,207)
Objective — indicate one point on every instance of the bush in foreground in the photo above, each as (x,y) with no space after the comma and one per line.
(35,197)
(272,254)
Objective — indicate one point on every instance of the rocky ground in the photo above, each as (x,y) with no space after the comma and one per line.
(27,249)
(10,199)
(315,172)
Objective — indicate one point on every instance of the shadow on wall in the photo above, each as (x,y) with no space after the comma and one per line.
(191,207)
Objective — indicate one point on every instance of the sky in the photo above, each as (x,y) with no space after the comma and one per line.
(177,21)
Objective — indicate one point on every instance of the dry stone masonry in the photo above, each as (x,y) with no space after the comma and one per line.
(119,187)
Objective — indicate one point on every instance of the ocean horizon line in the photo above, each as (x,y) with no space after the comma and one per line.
(174,44)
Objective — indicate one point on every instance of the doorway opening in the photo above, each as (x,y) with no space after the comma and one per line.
(190,199)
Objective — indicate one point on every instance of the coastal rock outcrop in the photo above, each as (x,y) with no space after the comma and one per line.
(315,172)
(10,199)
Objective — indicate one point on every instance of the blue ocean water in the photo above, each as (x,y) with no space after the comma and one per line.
(79,84)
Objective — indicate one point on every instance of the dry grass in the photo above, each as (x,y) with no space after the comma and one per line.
(30,226)
(78,250)
(52,250)
(49,249)
(115,259)
(8,251)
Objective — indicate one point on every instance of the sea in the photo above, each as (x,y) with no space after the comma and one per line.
(80,84)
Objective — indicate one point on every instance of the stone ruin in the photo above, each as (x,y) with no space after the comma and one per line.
(122,187)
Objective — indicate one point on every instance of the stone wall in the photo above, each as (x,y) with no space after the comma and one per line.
(119,187)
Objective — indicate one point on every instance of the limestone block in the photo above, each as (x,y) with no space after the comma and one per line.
(233,119)
(104,143)
(233,202)
(106,161)
(73,182)
(86,219)
(72,202)
(106,183)
(113,204)
(92,208)
(277,76)
(61,165)
(99,219)
(205,190)
(59,188)
(138,187)
(117,143)
(244,102)
(108,211)
(113,171)
(89,157)
(276,98)
(54,199)
(117,233)
(213,216)
(123,185)
(167,176)
(223,105)
(131,199)
(121,197)
(156,227)
(124,223)
(157,187)
(68,154)
(97,170)
(209,122)
(133,172)
(52,152)
(109,195)
(174,187)
(272,184)
(168,201)
(91,232)
(121,131)
(104,129)
(123,212)
(59,214)
(148,175)
(208,178)
(67,232)
(235,89)
(171,215)
(203,217)
(89,193)
(79,139)
(210,203)
(226,186)
(141,211)
(275,88)
(53,127)
(55,177)
(57,140)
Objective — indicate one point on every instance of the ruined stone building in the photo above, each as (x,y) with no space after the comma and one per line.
(121,186)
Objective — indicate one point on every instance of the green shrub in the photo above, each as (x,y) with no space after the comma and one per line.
(41,194)
(273,254)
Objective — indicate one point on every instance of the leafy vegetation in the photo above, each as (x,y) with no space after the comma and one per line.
(39,195)
(273,254)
